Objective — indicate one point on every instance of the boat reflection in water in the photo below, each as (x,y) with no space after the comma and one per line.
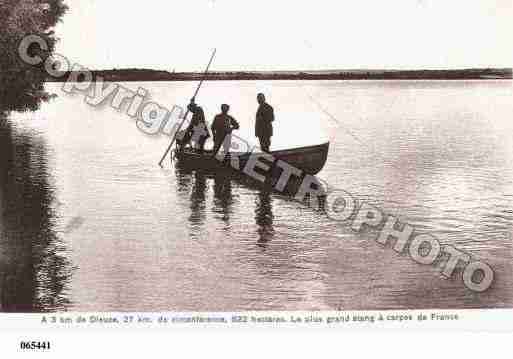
(34,272)
(194,185)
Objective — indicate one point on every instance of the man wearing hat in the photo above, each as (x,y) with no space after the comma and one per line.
(264,123)
(222,128)
(197,131)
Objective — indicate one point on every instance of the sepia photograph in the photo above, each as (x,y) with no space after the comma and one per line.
(222,156)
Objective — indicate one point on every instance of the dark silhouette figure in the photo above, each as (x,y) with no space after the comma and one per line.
(264,123)
(197,131)
(222,128)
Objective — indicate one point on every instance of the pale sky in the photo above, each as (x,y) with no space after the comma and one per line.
(288,34)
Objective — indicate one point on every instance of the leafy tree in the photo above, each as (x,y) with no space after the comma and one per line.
(22,85)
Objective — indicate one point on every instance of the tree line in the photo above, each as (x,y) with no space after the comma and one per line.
(22,85)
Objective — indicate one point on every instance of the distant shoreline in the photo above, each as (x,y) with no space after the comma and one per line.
(127,75)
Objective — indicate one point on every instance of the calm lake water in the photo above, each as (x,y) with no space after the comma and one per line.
(89,222)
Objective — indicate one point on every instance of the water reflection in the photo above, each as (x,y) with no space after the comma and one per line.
(264,217)
(34,273)
(223,198)
(198,197)
(193,187)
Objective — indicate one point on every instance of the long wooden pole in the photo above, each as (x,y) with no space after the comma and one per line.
(187,112)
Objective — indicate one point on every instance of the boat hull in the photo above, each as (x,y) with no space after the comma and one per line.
(309,159)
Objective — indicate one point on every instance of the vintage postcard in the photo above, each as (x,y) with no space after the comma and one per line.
(234,164)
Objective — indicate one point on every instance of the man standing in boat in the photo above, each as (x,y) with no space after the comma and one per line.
(222,128)
(197,131)
(264,123)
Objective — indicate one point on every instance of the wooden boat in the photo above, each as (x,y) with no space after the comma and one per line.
(310,159)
